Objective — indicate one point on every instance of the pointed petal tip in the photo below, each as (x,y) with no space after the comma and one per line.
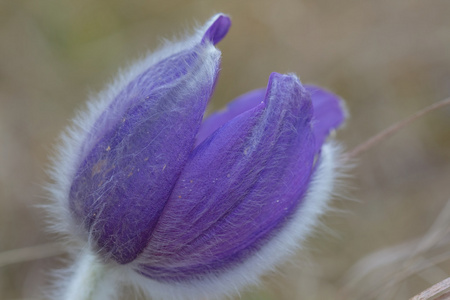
(218,28)
(278,77)
(285,82)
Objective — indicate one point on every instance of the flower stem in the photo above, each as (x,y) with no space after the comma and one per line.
(91,280)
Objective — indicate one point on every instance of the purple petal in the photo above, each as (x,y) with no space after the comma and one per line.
(137,149)
(237,189)
(218,29)
(329,113)
(236,107)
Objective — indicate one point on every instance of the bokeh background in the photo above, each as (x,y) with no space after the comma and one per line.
(386,238)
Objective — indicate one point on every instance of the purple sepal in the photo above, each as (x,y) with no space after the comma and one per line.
(329,112)
(137,150)
(238,187)
(218,29)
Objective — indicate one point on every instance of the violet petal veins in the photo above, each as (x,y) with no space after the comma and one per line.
(187,208)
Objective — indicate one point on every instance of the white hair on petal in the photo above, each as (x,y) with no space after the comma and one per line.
(68,152)
(281,247)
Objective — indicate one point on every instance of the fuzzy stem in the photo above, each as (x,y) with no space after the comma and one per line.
(91,280)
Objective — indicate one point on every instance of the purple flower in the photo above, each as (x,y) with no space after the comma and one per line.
(197,207)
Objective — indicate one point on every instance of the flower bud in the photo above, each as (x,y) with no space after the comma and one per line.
(195,208)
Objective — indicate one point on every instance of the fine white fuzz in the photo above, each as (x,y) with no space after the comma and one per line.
(91,280)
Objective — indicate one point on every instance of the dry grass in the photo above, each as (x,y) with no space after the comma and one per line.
(439,291)
(387,58)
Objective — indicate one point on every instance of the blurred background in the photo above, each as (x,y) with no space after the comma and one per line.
(386,237)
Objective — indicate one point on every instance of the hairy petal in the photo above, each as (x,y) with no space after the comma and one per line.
(138,147)
(239,186)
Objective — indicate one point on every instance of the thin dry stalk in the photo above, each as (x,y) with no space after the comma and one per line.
(439,291)
(389,267)
(30,253)
(376,139)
